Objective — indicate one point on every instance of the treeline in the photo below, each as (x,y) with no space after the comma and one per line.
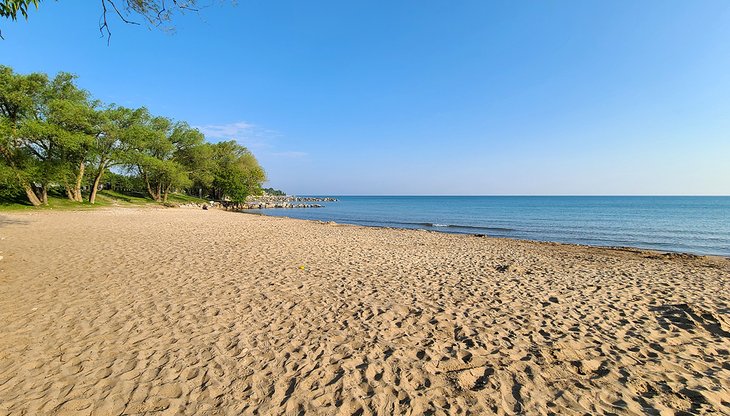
(55,136)
(272,191)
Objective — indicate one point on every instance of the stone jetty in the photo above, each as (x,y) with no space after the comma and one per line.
(288,201)
(262,202)
(261,205)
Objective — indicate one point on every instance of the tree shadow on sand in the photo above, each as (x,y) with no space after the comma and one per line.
(5,221)
(685,317)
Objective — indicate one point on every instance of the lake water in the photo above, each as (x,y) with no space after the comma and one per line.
(692,224)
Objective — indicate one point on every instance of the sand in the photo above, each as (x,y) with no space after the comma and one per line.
(174,311)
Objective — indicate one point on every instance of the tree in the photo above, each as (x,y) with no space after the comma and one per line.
(46,130)
(272,191)
(18,95)
(9,188)
(52,133)
(58,132)
(111,142)
(75,117)
(237,173)
(197,158)
(157,13)
(165,154)
(192,153)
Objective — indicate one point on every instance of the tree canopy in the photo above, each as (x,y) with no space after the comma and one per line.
(155,13)
(55,136)
(11,8)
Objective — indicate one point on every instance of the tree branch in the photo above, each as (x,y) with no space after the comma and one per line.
(120,14)
(104,25)
(185,6)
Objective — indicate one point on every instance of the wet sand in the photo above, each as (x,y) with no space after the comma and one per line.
(175,311)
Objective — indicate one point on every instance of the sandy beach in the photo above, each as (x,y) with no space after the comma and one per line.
(175,311)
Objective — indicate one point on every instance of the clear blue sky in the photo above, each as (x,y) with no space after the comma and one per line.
(425,97)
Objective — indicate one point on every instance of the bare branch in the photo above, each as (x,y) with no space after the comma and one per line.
(185,6)
(162,10)
(156,13)
(120,14)
(103,24)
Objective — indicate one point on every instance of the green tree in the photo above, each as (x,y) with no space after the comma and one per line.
(59,133)
(52,133)
(193,154)
(200,166)
(237,173)
(165,154)
(77,121)
(18,95)
(112,141)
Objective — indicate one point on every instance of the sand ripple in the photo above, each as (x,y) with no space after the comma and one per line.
(207,312)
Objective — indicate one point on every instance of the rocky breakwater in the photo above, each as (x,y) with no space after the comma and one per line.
(271,201)
(261,205)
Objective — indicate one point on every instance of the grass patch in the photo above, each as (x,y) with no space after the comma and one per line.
(54,202)
(118,198)
(184,199)
(105,198)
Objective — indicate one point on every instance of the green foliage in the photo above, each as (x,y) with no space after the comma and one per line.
(111,142)
(11,8)
(166,155)
(55,138)
(9,187)
(272,191)
(20,96)
(48,129)
(126,184)
(236,173)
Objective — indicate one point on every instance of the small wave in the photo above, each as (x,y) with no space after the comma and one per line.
(435,225)
(458,226)
(476,227)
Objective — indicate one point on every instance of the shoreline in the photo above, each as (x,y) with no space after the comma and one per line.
(485,235)
(257,212)
(693,225)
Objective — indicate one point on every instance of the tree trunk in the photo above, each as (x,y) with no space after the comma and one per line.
(77,187)
(167,192)
(44,194)
(155,196)
(27,187)
(73,190)
(149,191)
(30,193)
(95,186)
(69,192)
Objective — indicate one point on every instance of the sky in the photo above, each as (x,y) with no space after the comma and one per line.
(428,97)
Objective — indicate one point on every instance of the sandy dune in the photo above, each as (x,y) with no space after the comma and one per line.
(206,312)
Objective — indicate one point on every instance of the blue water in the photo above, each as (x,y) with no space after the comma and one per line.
(699,225)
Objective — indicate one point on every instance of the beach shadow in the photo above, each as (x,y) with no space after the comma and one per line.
(5,221)
(681,315)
